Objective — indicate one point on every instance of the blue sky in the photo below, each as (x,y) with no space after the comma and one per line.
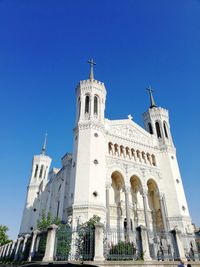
(44,48)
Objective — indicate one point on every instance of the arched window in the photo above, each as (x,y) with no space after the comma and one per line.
(87,104)
(153,160)
(41,171)
(150,128)
(36,171)
(79,107)
(165,129)
(158,130)
(95,105)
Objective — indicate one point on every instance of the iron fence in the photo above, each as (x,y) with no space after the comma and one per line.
(74,244)
(40,246)
(121,245)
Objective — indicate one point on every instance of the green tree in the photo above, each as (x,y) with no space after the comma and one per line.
(46,221)
(3,235)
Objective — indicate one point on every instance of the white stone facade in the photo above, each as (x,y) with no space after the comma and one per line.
(127,175)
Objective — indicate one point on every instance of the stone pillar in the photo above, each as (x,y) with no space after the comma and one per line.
(144,196)
(50,244)
(8,249)
(99,247)
(32,249)
(4,251)
(127,190)
(13,247)
(162,209)
(26,237)
(107,206)
(1,251)
(145,244)
(17,248)
(180,245)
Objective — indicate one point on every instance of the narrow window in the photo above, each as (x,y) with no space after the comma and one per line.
(95,105)
(150,128)
(158,130)
(36,171)
(165,129)
(79,107)
(41,171)
(87,104)
(58,208)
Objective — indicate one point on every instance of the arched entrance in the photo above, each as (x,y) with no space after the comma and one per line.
(136,200)
(117,200)
(154,205)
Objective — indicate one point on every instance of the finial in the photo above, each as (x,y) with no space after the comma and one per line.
(150,90)
(44,145)
(92,63)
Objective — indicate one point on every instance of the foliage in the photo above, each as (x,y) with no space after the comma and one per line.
(3,235)
(122,251)
(85,239)
(64,238)
(46,221)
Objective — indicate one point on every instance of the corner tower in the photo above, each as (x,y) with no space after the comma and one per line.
(38,180)
(156,120)
(88,161)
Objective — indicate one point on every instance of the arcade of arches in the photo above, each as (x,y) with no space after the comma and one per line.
(132,205)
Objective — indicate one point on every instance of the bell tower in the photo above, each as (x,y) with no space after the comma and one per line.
(38,180)
(156,121)
(88,161)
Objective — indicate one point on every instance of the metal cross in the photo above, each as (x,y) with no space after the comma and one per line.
(92,63)
(149,89)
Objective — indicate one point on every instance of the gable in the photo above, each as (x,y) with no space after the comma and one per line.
(129,130)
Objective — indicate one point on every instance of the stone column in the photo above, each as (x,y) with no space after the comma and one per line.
(1,251)
(17,248)
(26,237)
(13,247)
(99,247)
(50,244)
(144,196)
(108,186)
(4,251)
(32,249)
(127,190)
(8,249)
(180,245)
(145,244)
(162,209)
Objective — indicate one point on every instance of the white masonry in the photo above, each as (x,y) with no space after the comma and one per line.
(127,175)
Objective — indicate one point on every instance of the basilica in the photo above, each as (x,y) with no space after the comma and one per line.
(126,174)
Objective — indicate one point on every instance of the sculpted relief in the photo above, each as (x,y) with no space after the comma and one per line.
(129,132)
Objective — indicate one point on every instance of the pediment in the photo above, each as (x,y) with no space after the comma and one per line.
(130,130)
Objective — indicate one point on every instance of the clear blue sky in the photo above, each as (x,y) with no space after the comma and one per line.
(44,47)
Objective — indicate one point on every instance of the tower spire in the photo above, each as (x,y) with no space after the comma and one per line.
(92,63)
(44,145)
(150,90)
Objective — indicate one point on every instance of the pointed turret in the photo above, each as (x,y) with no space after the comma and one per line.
(43,152)
(92,63)
(152,101)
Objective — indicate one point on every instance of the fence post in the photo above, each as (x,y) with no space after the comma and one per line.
(17,248)
(180,245)
(32,249)
(145,243)
(50,244)
(98,250)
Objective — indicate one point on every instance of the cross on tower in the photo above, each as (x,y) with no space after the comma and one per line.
(150,90)
(92,63)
